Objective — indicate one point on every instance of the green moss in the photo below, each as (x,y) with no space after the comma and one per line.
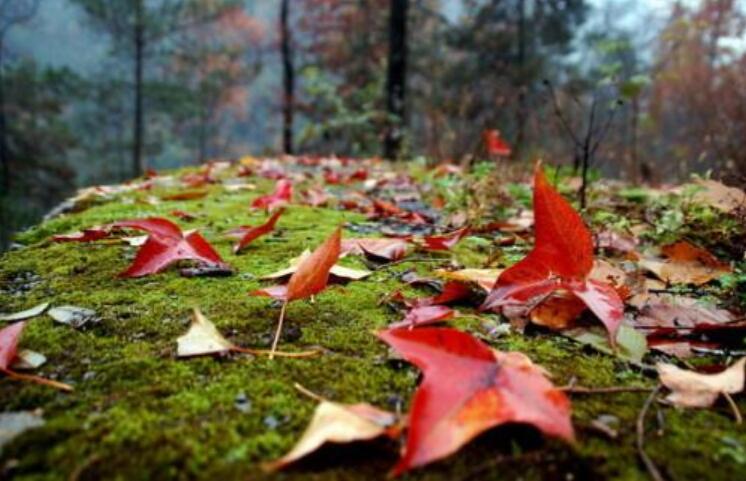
(140,413)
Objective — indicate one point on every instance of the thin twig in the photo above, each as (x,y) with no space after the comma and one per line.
(265,352)
(310,393)
(604,390)
(734,408)
(640,426)
(279,330)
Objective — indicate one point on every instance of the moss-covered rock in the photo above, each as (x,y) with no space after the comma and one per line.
(139,413)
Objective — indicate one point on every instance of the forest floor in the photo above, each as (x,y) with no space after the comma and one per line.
(139,412)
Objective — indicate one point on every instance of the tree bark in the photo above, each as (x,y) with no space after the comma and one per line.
(288,77)
(138,161)
(520,84)
(396,78)
(4,152)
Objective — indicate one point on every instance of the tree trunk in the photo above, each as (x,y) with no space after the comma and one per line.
(4,153)
(520,84)
(138,161)
(396,78)
(288,77)
(4,160)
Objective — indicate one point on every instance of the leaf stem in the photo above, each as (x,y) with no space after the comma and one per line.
(276,340)
(38,380)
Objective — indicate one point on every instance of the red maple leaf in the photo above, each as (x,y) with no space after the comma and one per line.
(166,245)
(562,258)
(423,315)
(495,144)
(310,277)
(247,234)
(467,388)
(282,195)
(444,242)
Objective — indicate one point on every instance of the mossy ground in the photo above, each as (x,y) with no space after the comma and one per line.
(139,413)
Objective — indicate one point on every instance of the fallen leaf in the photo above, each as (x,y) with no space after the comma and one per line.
(720,196)
(27,360)
(423,315)
(248,234)
(28,313)
(381,248)
(338,423)
(282,195)
(495,144)
(467,388)
(693,389)
(444,242)
(13,424)
(202,338)
(166,245)
(73,316)
(485,278)
(9,338)
(338,271)
(86,235)
(562,258)
(662,311)
(310,277)
(630,344)
(685,263)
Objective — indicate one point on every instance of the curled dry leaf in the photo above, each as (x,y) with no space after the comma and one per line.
(339,423)
(693,389)
(562,258)
(685,263)
(26,314)
(467,388)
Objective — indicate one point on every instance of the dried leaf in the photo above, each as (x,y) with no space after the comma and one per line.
(685,263)
(693,389)
(338,423)
(73,316)
(28,313)
(202,338)
(281,196)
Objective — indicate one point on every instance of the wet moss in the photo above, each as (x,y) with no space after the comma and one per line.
(139,413)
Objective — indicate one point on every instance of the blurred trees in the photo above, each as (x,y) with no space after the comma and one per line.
(138,30)
(698,100)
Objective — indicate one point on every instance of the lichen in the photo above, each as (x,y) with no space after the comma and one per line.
(140,413)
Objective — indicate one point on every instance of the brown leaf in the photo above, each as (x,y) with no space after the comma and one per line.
(693,389)
(338,423)
(685,263)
